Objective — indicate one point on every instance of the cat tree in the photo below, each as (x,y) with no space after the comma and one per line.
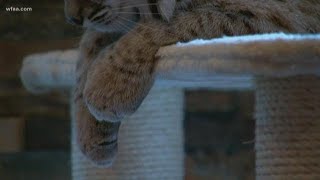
(282,69)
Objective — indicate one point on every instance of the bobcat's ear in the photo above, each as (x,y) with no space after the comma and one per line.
(166,8)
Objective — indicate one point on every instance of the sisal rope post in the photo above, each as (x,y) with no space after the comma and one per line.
(288,128)
(150,143)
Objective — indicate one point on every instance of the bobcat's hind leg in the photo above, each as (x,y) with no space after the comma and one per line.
(96,140)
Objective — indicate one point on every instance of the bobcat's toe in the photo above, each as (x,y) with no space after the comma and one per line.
(98,141)
(101,154)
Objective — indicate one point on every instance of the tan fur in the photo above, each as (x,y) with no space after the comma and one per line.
(120,76)
(97,140)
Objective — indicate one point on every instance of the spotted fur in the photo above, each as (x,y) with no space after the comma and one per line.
(114,80)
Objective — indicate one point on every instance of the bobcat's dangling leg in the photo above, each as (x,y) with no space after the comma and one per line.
(97,140)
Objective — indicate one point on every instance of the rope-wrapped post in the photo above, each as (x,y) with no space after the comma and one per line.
(288,128)
(150,143)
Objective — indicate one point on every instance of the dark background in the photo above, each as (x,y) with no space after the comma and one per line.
(34,130)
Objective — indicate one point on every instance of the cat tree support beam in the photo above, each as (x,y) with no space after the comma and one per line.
(282,69)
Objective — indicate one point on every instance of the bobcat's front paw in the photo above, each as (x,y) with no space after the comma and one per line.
(112,92)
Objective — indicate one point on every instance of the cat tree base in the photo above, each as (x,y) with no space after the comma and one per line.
(282,69)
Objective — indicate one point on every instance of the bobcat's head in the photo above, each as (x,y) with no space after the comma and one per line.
(116,15)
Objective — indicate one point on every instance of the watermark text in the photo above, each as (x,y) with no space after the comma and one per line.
(18,9)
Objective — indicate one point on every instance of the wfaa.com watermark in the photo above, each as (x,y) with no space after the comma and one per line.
(18,9)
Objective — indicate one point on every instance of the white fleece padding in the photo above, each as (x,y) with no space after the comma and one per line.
(227,62)
(251,38)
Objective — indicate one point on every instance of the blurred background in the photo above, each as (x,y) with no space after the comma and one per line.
(35,130)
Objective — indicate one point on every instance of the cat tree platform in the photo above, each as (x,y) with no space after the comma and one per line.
(283,70)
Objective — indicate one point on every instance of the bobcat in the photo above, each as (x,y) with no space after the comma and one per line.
(112,80)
